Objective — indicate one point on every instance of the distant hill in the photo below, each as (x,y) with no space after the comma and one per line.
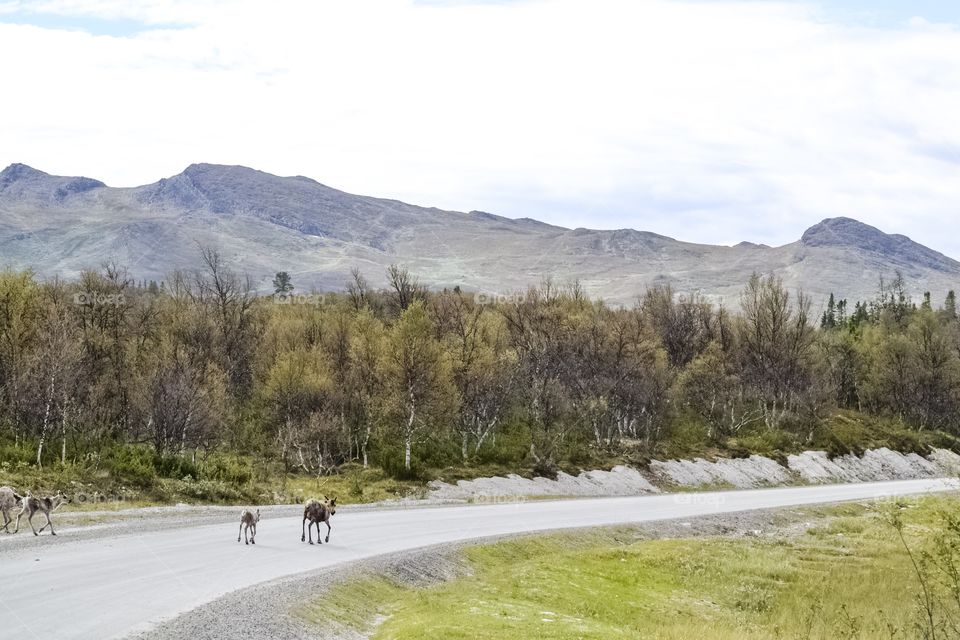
(264,223)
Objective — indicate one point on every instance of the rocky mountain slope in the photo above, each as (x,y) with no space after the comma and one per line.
(264,223)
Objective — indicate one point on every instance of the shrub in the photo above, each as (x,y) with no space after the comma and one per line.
(131,464)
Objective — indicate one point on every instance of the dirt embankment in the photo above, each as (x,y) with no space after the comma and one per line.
(809,467)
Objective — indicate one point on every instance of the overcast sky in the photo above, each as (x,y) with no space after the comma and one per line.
(708,121)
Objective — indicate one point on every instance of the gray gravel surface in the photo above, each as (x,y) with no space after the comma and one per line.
(267,611)
(138,577)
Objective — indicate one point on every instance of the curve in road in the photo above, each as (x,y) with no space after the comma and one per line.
(111,587)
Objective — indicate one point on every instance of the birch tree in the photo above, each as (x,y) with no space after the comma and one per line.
(421,393)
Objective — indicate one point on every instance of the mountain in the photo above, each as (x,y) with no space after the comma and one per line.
(263,223)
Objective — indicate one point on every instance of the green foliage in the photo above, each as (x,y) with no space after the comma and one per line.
(282,283)
(12,454)
(687,437)
(847,576)
(848,432)
(201,379)
(509,448)
(775,444)
(135,465)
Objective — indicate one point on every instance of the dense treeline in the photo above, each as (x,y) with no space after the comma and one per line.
(405,378)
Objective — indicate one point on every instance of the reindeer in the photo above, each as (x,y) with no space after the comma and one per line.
(46,505)
(9,499)
(317,512)
(249,521)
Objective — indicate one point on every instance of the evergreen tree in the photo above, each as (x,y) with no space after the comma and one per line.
(842,313)
(282,283)
(829,318)
(861,315)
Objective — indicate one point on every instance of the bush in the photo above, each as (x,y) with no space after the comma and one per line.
(509,448)
(174,466)
(130,464)
(772,443)
(389,457)
(849,432)
(225,468)
(210,491)
(546,468)
(684,438)
(17,453)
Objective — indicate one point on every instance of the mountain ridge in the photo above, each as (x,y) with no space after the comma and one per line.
(265,223)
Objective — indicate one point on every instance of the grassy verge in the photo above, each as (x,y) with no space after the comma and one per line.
(109,489)
(845,576)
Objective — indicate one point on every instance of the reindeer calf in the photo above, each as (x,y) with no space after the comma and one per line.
(248,522)
(45,505)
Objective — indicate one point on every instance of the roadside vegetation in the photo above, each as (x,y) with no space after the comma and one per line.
(198,390)
(847,574)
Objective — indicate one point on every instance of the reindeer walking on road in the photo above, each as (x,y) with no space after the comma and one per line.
(45,505)
(248,522)
(9,500)
(316,512)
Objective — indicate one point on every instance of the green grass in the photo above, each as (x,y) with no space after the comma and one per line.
(845,577)
(117,487)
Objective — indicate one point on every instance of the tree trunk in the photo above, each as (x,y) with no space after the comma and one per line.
(46,422)
(63,445)
(366,439)
(409,436)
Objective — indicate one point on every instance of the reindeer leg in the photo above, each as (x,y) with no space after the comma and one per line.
(30,520)
(18,519)
(303,530)
(49,524)
(253,535)
(328,530)
(246,532)
(6,522)
(318,532)
(239,531)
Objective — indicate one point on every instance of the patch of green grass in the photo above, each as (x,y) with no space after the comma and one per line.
(132,476)
(845,577)
(353,484)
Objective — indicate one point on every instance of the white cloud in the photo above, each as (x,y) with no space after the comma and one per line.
(712,122)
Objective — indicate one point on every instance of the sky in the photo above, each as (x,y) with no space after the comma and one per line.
(705,120)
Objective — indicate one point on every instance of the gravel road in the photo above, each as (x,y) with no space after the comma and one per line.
(117,581)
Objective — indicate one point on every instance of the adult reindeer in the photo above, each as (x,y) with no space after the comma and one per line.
(9,500)
(316,512)
(46,506)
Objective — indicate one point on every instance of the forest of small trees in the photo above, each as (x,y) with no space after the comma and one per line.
(405,378)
